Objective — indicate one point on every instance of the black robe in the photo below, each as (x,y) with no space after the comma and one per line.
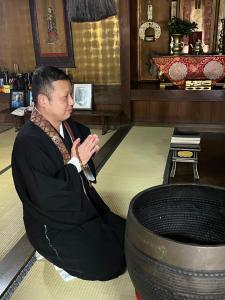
(65,219)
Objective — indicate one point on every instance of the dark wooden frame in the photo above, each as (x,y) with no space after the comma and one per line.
(63,60)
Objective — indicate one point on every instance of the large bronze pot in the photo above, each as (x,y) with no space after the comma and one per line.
(175,242)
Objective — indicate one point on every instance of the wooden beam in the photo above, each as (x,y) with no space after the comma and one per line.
(125,61)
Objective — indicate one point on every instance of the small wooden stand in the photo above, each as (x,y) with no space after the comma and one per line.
(180,148)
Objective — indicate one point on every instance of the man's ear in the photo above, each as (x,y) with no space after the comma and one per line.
(42,100)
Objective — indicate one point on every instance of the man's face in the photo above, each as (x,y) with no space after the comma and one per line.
(60,104)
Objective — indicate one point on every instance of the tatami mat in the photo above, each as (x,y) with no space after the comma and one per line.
(4,127)
(44,283)
(11,215)
(137,164)
(6,143)
(103,138)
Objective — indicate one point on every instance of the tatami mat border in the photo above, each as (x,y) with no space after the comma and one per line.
(8,293)
(5,169)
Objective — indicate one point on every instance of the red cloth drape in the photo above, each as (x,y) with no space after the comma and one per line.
(191,67)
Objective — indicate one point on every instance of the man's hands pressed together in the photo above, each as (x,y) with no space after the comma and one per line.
(85,150)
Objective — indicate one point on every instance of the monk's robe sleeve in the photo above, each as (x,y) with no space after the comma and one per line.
(42,179)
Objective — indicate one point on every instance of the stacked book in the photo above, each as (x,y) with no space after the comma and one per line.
(185,140)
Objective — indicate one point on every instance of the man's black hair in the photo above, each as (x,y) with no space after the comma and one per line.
(42,80)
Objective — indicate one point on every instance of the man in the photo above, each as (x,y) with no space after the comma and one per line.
(65,219)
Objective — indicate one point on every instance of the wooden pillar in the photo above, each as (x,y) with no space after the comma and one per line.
(125,61)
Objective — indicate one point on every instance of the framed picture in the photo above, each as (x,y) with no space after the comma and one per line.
(17,99)
(51,33)
(83,95)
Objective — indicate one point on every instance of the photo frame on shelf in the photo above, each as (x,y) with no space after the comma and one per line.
(52,36)
(17,99)
(83,96)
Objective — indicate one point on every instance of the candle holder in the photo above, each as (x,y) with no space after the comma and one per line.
(221,44)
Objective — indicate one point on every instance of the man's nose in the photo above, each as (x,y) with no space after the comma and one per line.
(70,100)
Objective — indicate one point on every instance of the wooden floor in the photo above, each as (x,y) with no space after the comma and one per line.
(211,164)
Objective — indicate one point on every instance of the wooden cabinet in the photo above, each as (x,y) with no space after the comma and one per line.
(178,107)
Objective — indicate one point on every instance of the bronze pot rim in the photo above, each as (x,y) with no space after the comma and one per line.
(179,254)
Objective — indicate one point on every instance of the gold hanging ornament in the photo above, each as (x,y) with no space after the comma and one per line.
(149,24)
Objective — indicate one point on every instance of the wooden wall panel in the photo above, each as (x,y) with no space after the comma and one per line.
(174,112)
(108,107)
(16,43)
(218,112)
(194,112)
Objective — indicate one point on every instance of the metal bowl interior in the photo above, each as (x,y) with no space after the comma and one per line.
(191,214)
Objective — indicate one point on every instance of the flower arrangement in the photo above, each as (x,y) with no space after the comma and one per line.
(178,26)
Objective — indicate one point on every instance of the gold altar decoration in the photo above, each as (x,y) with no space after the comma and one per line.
(177,43)
(198,85)
(185,153)
(149,24)
(145,26)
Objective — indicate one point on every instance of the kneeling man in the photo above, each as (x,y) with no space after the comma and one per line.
(65,219)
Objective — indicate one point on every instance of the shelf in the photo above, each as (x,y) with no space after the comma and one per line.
(178,95)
